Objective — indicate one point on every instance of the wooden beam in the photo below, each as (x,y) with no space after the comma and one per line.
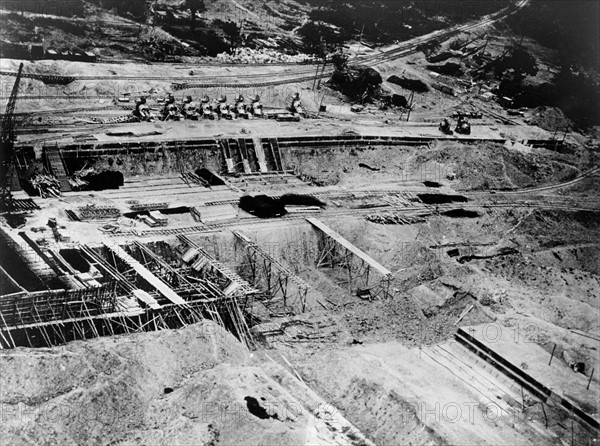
(349,246)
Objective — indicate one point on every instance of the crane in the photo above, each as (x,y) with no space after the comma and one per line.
(7,148)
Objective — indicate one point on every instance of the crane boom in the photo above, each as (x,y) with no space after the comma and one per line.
(7,143)
(8,133)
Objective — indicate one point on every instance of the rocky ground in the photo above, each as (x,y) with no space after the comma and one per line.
(349,370)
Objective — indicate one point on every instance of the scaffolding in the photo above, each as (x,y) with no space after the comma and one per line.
(334,251)
(203,261)
(141,292)
(273,277)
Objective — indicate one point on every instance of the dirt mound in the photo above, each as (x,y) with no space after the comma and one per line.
(559,228)
(493,166)
(190,386)
(356,81)
(550,118)
(108,388)
(410,84)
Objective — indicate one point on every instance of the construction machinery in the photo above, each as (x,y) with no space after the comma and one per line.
(7,148)
(141,110)
(445,127)
(256,107)
(296,106)
(223,109)
(240,109)
(189,110)
(463,127)
(206,108)
(170,111)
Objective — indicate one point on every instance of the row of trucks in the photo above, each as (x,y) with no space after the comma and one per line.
(215,109)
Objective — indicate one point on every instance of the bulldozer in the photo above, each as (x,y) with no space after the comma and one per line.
(256,108)
(170,111)
(445,127)
(463,127)
(223,109)
(296,107)
(189,110)
(239,108)
(141,111)
(206,108)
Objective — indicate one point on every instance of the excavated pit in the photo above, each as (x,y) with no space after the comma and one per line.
(448,269)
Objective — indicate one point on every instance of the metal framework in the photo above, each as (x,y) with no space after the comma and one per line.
(138,295)
(204,261)
(334,251)
(273,277)
(7,142)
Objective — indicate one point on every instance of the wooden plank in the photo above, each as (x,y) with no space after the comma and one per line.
(158,284)
(147,299)
(58,167)
(276,153)
(349,246)
(260,155)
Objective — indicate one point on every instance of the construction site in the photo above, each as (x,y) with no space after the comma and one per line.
(298,228)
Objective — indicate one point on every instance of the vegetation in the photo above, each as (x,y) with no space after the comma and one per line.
(571,27)
(134,9)
(573,30)
(381,22)
(194,7)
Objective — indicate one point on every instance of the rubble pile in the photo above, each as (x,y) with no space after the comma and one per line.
(393,218)
(265,55)
(357,81)
(46,185)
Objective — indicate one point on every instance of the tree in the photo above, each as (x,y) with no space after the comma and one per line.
(340,60)
(518,62)
(232,31)
(194,6)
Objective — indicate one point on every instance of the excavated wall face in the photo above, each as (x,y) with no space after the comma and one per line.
(152,161)
(322,165)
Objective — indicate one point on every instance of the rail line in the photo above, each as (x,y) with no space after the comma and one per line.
(401,50)
(584,176)
(410,46)
(253,221)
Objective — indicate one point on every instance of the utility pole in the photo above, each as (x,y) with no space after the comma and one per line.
(552,355)
(412,97)
(322,71)
(316,76)
(360,39)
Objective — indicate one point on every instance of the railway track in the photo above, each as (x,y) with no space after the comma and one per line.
(303,75)
(420,209)
(410,46)
(584,176)
(63,80)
